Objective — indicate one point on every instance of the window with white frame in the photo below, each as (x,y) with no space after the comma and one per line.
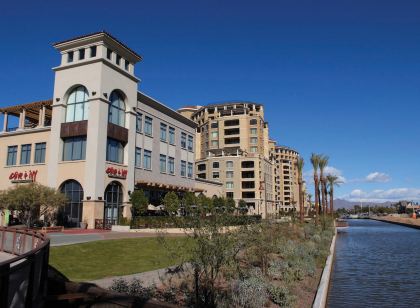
(183,168)
(116,113)
(183,140)
(171,135)
(190,170)
(137,159)
(77,105)
(229,174)
(190,142)
(25,154)
(139,122)
(229,164)
(163,131)
(114,151)
(171,165)
(147,159)
(229,185)
(148,126)
(12,155)
(40,149)
(162,163)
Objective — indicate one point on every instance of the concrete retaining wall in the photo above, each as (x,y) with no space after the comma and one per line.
(322,292)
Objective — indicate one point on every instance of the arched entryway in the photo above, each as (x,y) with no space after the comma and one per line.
(73,209)
(113,203)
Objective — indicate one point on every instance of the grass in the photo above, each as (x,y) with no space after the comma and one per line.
(95,260)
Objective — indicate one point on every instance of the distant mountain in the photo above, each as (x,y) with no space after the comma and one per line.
(341,203)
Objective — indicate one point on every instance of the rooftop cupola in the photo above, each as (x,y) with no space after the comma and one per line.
(99,46)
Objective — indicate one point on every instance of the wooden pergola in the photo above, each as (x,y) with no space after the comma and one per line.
(37,113)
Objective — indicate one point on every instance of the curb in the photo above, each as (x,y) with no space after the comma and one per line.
(322,292)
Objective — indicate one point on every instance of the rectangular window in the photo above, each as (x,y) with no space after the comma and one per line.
(229,194)
(229,185)
(171,135)
(183,140)
(215,143)
(126,65)
(139,120)
(108,54)
(81,54)
(190,142)
(254,140)
(114,151)
(148,122)
(214,125)
(70,57)
(74,148)
(163,130)
(137,160)
(216,165)
(214,134)
(40,149)
(229,164)
(171,165)
(253,131)
(147,160)
(254,149)
(190,170)
(162,163)
(118,59)
(183,168)
(215,175)
(93,51)
(11,155)
(25,154)
(229,174)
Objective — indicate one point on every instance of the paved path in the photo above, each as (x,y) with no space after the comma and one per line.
(5,256)
(60,239)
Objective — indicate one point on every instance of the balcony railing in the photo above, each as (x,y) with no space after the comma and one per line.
(23,277)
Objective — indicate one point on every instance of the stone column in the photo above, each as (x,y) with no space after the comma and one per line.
(92,209)
(22,117)
(5,120)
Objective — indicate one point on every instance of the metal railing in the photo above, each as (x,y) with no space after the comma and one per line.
(23,277)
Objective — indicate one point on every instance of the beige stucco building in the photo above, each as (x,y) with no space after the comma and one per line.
(99,138)
(233,147)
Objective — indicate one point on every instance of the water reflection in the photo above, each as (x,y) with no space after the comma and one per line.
(376,265)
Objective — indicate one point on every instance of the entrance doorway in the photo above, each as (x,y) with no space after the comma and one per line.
(73,209)
(113,204)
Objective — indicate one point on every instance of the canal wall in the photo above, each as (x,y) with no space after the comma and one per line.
(402,221)
(322,292)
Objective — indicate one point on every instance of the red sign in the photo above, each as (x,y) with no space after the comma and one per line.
(116,173)
(23,177)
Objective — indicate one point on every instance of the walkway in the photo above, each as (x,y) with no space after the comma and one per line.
(68,238)
(5,256)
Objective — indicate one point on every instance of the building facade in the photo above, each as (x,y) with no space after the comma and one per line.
(286,178)
(99,138)
(233,148)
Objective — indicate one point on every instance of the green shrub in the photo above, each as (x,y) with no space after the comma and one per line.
(281,296)
(250,292)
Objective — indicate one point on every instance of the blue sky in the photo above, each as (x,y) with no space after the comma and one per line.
(336,77)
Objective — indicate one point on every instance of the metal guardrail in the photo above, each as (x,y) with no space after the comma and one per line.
(23,278)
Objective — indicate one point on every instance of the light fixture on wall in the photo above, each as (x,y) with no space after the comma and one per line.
(129,192)
(106,95)
(57,99)
(93,93)
(88,198)
(99,198)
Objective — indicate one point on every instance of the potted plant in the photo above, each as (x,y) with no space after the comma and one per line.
(83,224)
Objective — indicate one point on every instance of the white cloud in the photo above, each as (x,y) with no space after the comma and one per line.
(380,195)
(377,177)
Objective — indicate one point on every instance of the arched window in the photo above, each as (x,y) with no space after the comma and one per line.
(77,105)
(113,203)
(116,113)
(74,207)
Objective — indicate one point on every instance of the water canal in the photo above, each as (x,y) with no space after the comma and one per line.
(376,264)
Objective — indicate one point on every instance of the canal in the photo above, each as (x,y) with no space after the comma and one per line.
(376,264)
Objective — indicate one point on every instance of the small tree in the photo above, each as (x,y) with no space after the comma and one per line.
(205,204)
(139,203)
(171,203)
(219,203)
(188,201)
(243,207)
(230,205)
(32,201)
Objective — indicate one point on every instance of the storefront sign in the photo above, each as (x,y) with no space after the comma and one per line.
(116,173)
(23,177)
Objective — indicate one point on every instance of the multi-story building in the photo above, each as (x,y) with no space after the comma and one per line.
(233,147)
(99,138)
(286,178)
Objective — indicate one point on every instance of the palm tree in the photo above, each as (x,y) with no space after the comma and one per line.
(315,164)
(332,181)
(323,162)
(309,202)
(299,164)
